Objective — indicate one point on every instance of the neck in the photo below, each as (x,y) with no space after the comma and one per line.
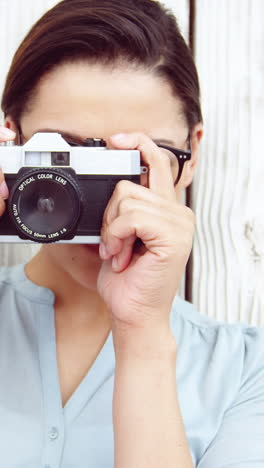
(74,303)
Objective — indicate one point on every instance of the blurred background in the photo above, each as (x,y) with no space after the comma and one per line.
(225,274)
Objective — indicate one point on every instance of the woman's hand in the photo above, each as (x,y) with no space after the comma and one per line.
(5,135)
(139,284)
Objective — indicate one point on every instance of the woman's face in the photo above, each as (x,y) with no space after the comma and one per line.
(84,101)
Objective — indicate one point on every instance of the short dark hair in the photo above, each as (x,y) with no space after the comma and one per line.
(139,32)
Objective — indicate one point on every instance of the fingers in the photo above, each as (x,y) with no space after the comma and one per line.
(161,237)
(131,198)
(128,190)
(131,203)
(160,174)
(131,207)
(161,180)
(159,230)
(6,134)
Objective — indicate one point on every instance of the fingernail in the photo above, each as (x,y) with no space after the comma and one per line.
(6,132)
(4,192)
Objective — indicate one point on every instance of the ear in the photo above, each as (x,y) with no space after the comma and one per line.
(10,123)
(190,166)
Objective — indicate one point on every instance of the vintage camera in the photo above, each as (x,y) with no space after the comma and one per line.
(59,192)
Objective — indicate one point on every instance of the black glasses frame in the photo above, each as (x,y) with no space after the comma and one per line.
(182,157)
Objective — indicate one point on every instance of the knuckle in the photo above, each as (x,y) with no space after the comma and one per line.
(134,219)
(122,186)
(125,205)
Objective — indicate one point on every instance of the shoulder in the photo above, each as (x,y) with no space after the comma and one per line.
(185,313)
(220,352)
(188,324)
(220,380)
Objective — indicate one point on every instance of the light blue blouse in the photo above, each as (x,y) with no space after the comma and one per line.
(219,373)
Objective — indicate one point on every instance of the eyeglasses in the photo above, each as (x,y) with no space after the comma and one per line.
(181,157)
(174,154)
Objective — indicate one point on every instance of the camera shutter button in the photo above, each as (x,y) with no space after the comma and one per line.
(95,143)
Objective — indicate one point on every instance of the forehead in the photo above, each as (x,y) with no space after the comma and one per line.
(104,100)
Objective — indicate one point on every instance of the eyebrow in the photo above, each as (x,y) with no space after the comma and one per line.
(78,138)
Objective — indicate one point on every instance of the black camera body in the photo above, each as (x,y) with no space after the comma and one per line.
(59,192)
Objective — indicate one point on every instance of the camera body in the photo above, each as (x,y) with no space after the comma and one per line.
(59,192)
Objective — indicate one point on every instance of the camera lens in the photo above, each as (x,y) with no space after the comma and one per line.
(45,204)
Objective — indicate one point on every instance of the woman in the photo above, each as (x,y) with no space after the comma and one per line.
(84,325)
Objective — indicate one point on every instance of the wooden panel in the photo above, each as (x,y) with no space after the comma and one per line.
(228,268)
